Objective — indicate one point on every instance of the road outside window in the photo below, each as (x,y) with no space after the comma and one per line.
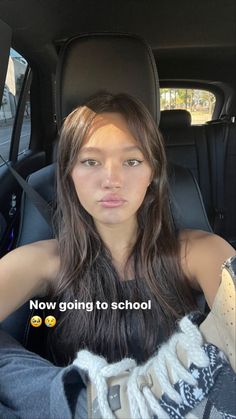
(200,103)
(14,81)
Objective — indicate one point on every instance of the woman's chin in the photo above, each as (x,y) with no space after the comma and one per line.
(112,219)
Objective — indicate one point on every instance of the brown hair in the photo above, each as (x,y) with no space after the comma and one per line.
(87,272)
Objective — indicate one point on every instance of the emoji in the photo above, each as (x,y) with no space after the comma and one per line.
(50,321)
(36,321)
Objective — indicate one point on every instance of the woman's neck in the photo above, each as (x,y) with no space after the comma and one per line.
(119,239)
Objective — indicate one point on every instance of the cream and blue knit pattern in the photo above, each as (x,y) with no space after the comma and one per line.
(193,385)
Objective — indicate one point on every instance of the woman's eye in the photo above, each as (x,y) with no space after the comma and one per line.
(130,163)
(89,162)
(134,162)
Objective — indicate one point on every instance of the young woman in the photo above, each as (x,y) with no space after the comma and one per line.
(115,242)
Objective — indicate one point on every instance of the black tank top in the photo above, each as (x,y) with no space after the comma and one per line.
(135,340)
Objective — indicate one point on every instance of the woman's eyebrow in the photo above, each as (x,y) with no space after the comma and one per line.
(100,150)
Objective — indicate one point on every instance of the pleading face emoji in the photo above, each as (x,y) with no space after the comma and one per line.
(36,321)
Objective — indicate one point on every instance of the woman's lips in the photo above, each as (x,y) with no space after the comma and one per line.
(111,204)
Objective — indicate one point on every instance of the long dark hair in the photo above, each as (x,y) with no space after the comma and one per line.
(87,273)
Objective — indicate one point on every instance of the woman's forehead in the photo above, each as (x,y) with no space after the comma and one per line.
(111,125)
(114,119)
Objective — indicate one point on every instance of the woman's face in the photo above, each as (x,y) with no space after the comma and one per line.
(111,175)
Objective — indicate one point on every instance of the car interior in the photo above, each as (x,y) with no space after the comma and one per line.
(150,50)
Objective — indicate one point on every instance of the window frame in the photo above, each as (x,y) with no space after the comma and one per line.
(18,121)
(15,135)
(215,90)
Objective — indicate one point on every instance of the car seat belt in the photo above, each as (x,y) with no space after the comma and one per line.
(220,145)
(44,208)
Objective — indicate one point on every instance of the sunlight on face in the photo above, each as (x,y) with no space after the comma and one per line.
(111,175)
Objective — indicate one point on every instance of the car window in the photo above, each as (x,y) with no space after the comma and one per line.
(16,71)
(200,103)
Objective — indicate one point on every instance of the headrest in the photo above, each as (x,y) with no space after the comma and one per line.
(175,118)
(116,63)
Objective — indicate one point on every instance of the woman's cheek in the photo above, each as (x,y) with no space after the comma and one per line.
(83,178)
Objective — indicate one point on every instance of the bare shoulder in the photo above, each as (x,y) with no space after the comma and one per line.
(50,246)
(25,272)
(51,256)
(189,234)
(44,254)
(204,243)
(202,256)
(48,249)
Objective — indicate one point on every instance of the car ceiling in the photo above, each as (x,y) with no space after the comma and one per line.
(190,39)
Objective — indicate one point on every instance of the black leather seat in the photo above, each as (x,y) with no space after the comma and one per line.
(208,152)
(187,146)
(221,136)
(116,63)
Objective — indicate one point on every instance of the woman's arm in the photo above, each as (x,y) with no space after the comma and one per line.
(203,254)
(25,272)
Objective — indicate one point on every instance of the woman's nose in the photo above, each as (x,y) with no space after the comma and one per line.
(112,175)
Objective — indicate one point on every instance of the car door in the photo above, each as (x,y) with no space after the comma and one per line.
(15,136)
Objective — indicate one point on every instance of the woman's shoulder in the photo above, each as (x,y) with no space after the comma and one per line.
(202,256)
(50,246)
(198,241)
(190,240)
(51,257)
(194,235)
